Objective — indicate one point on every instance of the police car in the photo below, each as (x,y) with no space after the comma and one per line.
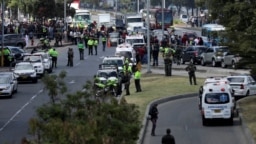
(47,60)
(114,60)
(24,71)
(108,72)
(217,102)
(37,61)
(126,50)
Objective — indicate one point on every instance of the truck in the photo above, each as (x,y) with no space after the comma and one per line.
(82,16)
(135,20)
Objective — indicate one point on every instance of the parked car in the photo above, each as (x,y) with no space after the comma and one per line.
(192,54)
(114,38)
(8,84)
(17,52)
(24,71)
(13,40)
(37,62)
(213,55)
(47,61)
(243,85)
(230,59)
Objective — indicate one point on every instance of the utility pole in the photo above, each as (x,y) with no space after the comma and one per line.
(65,21)
(138,6)
(148,38)
(2,40)
(163,6)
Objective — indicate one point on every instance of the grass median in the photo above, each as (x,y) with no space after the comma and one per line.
(156,86)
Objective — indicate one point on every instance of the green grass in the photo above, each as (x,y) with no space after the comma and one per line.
(159,86)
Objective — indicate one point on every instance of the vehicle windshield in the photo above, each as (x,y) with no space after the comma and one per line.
(23,67)
(118,62)
(4,80)
(32,58)
(167,17)
(133,20)
(131,41)
(113,35)
(82,18)
(221,50)
(236,79)
(107,74)
(216,98)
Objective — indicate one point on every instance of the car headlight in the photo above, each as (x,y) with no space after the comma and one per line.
(6,88)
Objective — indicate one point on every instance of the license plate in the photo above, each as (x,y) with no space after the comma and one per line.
(217,111)
(24,77)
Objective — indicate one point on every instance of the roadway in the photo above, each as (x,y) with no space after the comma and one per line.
(183,118)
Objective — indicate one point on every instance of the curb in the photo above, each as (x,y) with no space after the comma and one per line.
(158,101)
(249,137)
(64,44)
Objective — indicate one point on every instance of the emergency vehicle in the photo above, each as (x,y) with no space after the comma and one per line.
(126,50)
(217,102)
(134,39)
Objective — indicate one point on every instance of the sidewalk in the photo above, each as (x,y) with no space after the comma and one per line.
(37,41)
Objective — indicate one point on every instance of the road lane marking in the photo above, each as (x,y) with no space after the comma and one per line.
(19,111)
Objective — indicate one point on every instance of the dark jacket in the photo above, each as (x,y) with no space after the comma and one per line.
(153,112)
(191,69)
(168,139)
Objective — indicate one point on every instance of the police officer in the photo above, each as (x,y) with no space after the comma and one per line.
(167,54)
(54,55)
(81,49)
(127,71)
(70,57)
(191,68)
(86,38)
(7,58)
(155,52)
(137,76)
(104,40)
(90,46)
(95,44)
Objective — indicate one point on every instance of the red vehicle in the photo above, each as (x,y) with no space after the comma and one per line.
(156,18)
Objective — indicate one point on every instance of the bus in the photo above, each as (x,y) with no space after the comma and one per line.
(155,18)
(211,34)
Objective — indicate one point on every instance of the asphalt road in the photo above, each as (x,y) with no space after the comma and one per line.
(16,112)
(184,119)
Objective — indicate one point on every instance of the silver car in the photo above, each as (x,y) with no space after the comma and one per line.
(8,84)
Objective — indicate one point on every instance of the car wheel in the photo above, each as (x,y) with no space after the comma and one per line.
(35,80)
(16,90)
(247,93)
(223,64)
(182,61)
(50,70)
(10,96)
(230,121)
(204,121)
(233,65)
(202,62)
(213,63)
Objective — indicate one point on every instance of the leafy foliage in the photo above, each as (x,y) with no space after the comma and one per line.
(238,16)
(79,118)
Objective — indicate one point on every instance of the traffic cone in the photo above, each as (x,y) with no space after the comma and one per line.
(108,44)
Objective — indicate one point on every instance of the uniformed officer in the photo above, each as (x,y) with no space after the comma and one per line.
(90,46)
(7,58)
(95,44)
(191,68)
(127,71)
(167,53)
(54,55)
(104,40)
(137,76)
(70,57)
(86,38)
(81,49)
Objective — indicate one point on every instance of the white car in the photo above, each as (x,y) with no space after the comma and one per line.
(37,62)
(116,60)
(47,61)
(243,85)
(24,71)
(8,84)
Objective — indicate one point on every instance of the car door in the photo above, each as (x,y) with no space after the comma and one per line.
(252,84)
(228,58)
(208,55)
(15,82)
(7,40)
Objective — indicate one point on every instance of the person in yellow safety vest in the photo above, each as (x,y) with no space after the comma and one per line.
(50,51)
(81,49)
(90,46)
(104,40)
(137,76)
(54,55)
(95,44)
(127,72)
(168,54)
(7,58)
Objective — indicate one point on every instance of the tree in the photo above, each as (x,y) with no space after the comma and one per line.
(238,17)
(80,119)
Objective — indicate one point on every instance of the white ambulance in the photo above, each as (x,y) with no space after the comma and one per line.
(135,39)
(126,50)
(217,102)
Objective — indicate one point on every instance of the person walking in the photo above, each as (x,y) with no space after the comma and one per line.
(191,68)
(168,138)
(90,46)
(70,57)
(81,49)
(95,44)
(153,112)
(155,52)
(137,76)
(54,55)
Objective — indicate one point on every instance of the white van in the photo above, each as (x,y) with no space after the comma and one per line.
(134,39)
(126,50)
(217,103)
(184,18)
